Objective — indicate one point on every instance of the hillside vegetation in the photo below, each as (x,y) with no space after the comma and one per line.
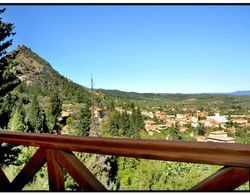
(36,105)
(41,78)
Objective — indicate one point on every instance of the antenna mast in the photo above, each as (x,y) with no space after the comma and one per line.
(94,123)
(93,118)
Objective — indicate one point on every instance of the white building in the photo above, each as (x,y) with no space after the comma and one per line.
(218,118)
(194,119)
(195,124)
(146,113)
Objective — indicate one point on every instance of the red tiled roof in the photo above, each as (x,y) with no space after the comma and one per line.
(149,122)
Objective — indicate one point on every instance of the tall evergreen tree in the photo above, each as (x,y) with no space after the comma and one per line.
(85,121)
(201,130)
(140,121)
(114,124)
(55,111)
(125,124)
(56,105)
(8,81)
(136,123)
(6,105)
(112,105)
(16,122)
(44,127)
(34,115)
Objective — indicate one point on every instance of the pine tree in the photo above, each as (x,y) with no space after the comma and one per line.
(56,105)
(6,105)
(125,124)
(16,122)
(44,127)
(112,105)
(113,128)
(175,133)
(85,121)
(136,123)
(54,112)
(140,122)
(201,131)
(114,124)
(8,81)
(34,115)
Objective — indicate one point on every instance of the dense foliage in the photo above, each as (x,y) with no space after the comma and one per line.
(8,81)
(85,121)
(33,106)
(125,125)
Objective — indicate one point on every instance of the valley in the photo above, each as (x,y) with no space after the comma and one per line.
(47,102)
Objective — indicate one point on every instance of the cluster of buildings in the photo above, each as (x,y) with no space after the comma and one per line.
(196,120)
(241,120)
(186,119)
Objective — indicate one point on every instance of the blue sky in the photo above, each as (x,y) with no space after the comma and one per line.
(171,49)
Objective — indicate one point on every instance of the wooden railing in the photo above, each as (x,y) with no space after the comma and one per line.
(56,151)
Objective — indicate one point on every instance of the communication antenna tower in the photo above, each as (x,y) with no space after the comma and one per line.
(94,124)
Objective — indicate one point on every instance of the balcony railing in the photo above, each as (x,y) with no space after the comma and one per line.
(56,151)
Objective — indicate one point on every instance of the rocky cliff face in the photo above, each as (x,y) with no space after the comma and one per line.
(31,68)
(36,72)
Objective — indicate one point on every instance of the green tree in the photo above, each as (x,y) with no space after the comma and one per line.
(140,121)
(126,170)
(85,121)
(44,126)
(56,105)
(111,105)
(136,122)
(132,105)
(80,96)
(114,124)
(6,105)
(54,112)
(175,133)
(16,122)
(34,115)
(8,81)
(201,131)
(124,124)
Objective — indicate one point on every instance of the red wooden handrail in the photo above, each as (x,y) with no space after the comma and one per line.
(56,151)
(181,151)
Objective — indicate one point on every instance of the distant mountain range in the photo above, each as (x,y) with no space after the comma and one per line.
(239,93)
(136,95)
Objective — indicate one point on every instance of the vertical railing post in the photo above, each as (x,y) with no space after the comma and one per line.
(55,172)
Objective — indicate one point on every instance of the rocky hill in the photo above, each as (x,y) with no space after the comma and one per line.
(38,74)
